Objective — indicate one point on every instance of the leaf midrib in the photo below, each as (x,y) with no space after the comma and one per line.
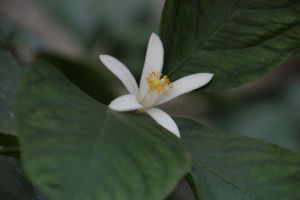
(94,148)
(243,190)
(199,47)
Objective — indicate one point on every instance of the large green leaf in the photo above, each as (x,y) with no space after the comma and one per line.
(237,40)
(13,184)
(11,73)
(73,147)
(228,166)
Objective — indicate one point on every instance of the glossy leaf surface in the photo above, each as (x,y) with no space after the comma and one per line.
(76,148)
(237,40)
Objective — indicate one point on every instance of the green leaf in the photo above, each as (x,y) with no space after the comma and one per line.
(13,184)
(236,40)
(228,166)
(11,73)
(73,147)
(90,79)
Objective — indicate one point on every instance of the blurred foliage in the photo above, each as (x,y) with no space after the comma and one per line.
(85,19)
(11,73)
(12,36)
(273,116)
(119,27)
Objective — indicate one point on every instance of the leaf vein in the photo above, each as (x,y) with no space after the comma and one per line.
(200,164)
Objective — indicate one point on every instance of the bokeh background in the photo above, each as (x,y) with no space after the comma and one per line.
(72,33)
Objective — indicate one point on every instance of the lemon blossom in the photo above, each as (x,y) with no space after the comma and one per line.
(155,88)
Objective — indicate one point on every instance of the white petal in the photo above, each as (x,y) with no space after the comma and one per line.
(120,71)
(186,84)
(125,103)
(153,62)
(163,119)
(150,100)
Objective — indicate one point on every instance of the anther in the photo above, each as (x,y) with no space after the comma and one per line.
(157,84)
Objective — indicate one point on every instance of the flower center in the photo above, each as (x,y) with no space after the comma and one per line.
(159,83)
(156,83)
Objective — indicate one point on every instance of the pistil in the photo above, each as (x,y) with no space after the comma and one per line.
(158,84)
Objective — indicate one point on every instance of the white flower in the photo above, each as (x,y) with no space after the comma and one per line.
(155,88)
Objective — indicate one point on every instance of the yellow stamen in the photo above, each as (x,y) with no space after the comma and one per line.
(158,84)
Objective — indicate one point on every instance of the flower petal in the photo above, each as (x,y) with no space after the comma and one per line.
(120,71)
(163,119)
(125,103)
(153,62)
(184,85)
